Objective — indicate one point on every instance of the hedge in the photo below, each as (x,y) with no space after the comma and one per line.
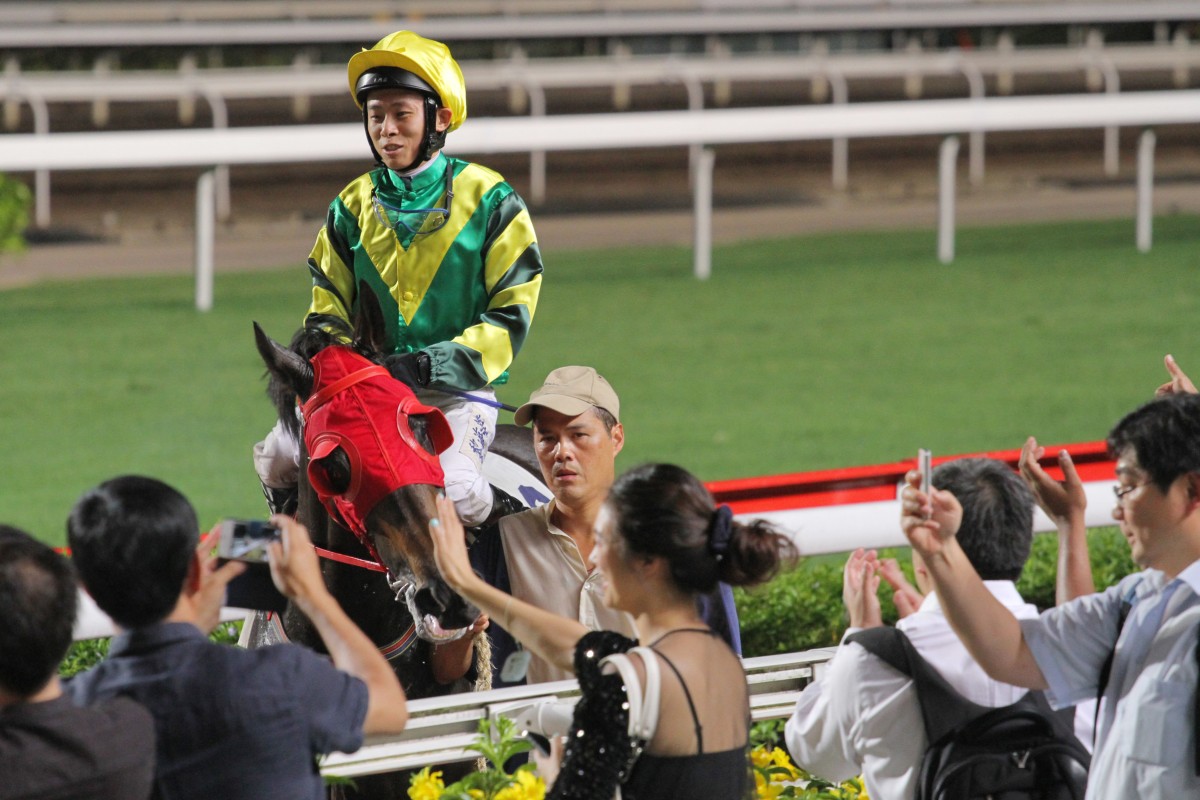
(802,608)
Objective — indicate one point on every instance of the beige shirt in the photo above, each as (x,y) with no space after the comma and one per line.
(545,568)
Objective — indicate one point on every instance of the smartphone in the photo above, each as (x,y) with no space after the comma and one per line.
(925,465)
(246,539)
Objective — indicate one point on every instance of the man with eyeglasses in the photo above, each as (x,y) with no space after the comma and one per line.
(1133,645)
(447,247)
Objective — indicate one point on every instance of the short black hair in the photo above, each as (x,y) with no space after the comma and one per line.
(132,540)
(39,599)
(997,525)
(1164,436)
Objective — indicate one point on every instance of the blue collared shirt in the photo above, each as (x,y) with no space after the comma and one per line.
(232,724)
(1147,732)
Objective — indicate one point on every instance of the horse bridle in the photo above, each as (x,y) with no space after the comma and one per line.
(359,407)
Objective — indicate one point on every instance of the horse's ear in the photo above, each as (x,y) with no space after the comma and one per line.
(284,365)
(370,331)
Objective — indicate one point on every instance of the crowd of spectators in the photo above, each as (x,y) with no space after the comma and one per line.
(170,714)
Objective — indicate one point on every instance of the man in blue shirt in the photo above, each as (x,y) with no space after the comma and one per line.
(232,724)
(1135,643)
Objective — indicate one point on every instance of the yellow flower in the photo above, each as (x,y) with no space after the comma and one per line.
(528,786)
(477,794)
(425,785)
(760,758)
(764,790)
(780,758)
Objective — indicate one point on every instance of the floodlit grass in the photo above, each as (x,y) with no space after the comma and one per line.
(798,354)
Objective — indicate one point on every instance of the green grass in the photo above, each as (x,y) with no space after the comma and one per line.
(798,354)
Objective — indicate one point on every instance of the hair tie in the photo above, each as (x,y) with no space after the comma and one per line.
(721,531)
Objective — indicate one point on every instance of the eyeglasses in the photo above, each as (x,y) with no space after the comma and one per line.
(1121,491)
(417,221)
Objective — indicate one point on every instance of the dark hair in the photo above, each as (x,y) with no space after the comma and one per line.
(132,540)
(38,603)
(664,510)
(1164,435)
(997,525)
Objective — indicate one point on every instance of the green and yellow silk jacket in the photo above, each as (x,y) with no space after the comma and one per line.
(465,293)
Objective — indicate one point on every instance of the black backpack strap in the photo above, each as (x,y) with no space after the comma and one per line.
(942,708)
(1127,601)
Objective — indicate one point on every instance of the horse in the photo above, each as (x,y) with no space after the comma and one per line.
(369,519)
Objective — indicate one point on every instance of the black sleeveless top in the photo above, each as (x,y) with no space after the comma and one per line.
(598,751)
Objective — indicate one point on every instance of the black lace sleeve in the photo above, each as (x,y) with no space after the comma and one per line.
(598,746)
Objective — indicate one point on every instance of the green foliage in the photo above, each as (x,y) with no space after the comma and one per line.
(15,200)
(802,609)
(497,742)
(86,653)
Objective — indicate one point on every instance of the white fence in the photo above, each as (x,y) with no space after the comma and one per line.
(528,82)
(718,19)
(699,130)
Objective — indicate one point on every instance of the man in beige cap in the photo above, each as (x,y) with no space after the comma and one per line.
(542,555)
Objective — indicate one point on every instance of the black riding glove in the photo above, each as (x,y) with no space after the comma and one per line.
(412,368)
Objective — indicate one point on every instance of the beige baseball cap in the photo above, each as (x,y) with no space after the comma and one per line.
(571,391)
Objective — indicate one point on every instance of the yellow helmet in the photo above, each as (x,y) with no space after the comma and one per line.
(401,56)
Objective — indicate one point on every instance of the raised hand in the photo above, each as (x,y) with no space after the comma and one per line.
(907,597)
(1180,383)
(860,584)
(450,545)
(1063,501)
(928,520)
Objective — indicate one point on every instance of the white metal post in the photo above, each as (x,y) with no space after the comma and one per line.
(947,167)
(702,207)
(1145,191)
(205,239)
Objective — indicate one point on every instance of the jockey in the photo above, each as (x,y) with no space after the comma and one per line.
(448,248)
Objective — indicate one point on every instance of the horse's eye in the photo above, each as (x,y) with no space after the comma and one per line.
(336,470)
(420,428)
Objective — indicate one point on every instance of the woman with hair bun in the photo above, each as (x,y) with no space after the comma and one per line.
(660,544)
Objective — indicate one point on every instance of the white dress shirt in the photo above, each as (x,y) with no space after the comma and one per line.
(862,716)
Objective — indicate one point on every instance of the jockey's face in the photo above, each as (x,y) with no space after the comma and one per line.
(577,455)
(396,124)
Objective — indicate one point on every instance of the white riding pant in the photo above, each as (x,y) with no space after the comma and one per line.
(277,457)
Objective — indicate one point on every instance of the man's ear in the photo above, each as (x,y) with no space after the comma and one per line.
(1193,490)
(444,115)
(191,583)
(618,437)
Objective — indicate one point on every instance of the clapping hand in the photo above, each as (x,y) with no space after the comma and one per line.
(906,596)
(1063,501)
(860,582)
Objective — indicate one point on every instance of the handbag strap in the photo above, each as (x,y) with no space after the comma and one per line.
(643,699)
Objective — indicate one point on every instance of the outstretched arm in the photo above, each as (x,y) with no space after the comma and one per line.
(297,574)
(549,635)
(990,632)
(1066,504)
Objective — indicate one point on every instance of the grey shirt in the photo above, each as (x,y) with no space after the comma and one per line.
(1146,737)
